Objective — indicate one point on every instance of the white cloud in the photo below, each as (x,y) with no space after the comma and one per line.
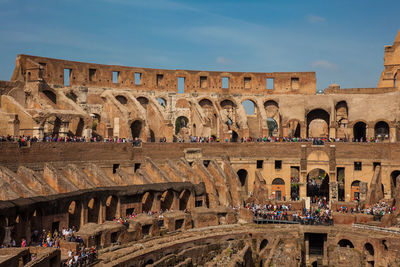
(223,60)
(315,19)
(324,64)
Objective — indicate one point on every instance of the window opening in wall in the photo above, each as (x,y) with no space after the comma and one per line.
(270,83)
(138,78)
(115,76)
(357,166)
(278,164)
(162,102)
(137,166)
(225,82)
(92,75)
(247,82)
(341,182)
(67,77)
(159,79)
(129,211)
(198,203)
(115,167)
(295,83)
(206,163)
(114,237)
(260,164)
(181,85)
(42,69)
(203,82)
(376,164)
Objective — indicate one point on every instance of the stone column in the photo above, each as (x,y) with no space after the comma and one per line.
(370,132)
(116,127)
(118,210)
(156,202)
(307,248)
(102,213)
(332,132)
(285,131)
(7,235)
(303,185)
(325,253)
(38,132)
(64,129)
(392,134)
(84,214)
(303,130)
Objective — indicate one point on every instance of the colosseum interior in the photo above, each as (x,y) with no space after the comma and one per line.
(155,167)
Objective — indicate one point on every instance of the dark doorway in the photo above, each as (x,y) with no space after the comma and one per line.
(136,129)
(235,137)
(359,131)
(317,185)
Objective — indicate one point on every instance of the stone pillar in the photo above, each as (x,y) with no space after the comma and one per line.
(333,190)
(118,210)
(332,132)
(38,132)
(84,214)
(116,127)
(392,134)
(156,202)
(7,235)
(303,130)
(370,132)
(303,185)
(175,202)
(64,129)
(82,95)
(102,213)
(87,133)
(307,248)
(285,131)
(325,253)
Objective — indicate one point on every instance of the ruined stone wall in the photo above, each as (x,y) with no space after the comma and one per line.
(96,75)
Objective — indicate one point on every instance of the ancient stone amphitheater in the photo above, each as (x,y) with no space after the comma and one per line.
(187,152)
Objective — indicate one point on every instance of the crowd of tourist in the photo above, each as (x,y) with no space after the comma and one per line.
(24,140)
(81,257)
(378,210)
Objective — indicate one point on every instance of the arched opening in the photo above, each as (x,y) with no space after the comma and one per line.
(355,190)
(272,111)
(184,199)
(318,185)
(235,136)
(71,95)
(136,129)
(242,174)
(294,129)
(147,202)
(36,220)
(359,131)
(227,104)
(345,243)
(167,200)
(369,249)
(341,119)
(263,244)
(50,95)
(111,207)
(149,262)
(294,183)
(122,99)
(206,103)
(318,123)
(79,127)
(272,127)
(393,181)
(278,189)
(180,123)
(3,225)
(381,130)
(57,126)
(143,101)
(162,102)
(152,136)
(395,80)
(249,107)
(74,215)
(93,210)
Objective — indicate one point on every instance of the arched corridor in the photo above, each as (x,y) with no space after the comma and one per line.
(317,184)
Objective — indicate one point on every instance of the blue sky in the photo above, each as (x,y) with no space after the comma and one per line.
(343,41)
